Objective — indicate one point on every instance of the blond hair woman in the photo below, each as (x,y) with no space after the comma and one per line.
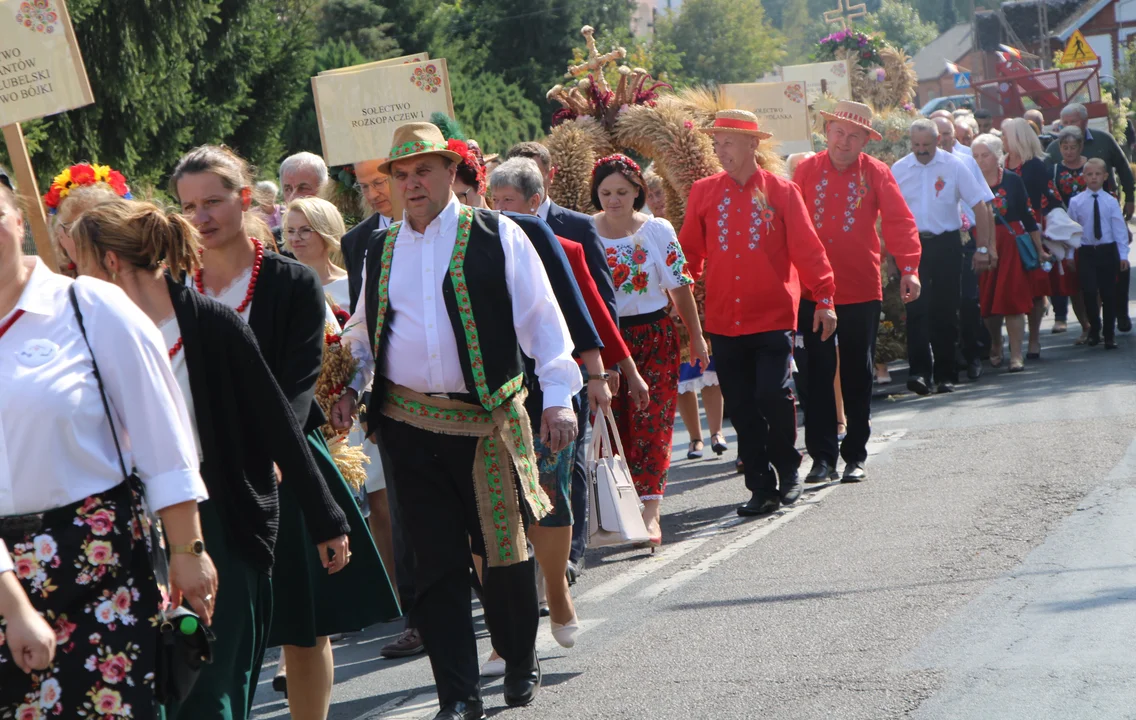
(311,231)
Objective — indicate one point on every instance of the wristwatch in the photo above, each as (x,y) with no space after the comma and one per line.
(601,376)
(982,250)
(197,547)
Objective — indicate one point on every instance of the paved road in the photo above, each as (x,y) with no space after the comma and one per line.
(986,570)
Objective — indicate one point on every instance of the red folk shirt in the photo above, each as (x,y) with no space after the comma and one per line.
(753,251)
(614,348)
(844,207)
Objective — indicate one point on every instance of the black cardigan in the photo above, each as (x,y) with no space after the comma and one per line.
(244,424)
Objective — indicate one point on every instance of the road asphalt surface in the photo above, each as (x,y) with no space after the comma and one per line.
(986,569)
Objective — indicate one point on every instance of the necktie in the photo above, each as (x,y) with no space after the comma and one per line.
(1096,218)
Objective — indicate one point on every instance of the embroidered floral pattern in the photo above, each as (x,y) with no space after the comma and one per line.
(760,215)
(999,202)
(415,147)
(384,285)
(630,266)
(856,191)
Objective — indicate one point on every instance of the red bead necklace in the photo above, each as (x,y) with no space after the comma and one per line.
(256,263)
(11,321)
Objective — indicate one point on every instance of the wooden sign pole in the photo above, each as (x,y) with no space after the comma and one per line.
(29,190)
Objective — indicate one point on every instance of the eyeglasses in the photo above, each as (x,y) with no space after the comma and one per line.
(304,233)
(464,195)
(375,186)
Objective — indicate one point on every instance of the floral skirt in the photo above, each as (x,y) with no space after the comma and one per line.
(647,435)
(87,571)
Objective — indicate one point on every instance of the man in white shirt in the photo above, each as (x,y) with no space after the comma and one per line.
(973,337)
(933,182)
(451,297)
(1104,250)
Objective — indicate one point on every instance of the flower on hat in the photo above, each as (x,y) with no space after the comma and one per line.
(82,175)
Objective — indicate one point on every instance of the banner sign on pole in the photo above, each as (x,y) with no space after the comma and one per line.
(41,70)
(404,60)
(822,78)
(359,108)
(780,108)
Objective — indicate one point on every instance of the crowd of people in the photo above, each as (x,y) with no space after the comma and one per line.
(175,365)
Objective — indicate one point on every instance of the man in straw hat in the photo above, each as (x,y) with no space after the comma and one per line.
(451,295)
(846,191)
(752,232)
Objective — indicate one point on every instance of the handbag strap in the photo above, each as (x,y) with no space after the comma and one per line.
(158,559)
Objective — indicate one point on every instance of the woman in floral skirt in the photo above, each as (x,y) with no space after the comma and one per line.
(647,266)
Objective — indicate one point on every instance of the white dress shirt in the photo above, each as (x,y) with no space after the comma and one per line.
(423,352)
(544,207)
(963,153)
(936,209)
(5,558)
(56,447)
(1113,227)
(960,149)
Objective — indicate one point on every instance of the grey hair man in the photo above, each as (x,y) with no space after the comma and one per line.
(302,175)
(934,182)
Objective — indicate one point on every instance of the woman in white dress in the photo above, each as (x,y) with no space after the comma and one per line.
(311,231)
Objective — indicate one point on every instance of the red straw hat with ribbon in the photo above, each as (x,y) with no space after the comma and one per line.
(740,122)
(856,113)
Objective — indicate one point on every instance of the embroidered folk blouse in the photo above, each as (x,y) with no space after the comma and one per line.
(844,207)
(645,266)
(752,251)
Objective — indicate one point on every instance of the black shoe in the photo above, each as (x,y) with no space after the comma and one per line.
(821,472)
(974,369)
(462,711)
(944,387)
(758,505)
(1110,345)
(522,682)
(1124,324)
(918,385)
(280,684)
(1093,340)
(854,472)
(575,570)
(791,489)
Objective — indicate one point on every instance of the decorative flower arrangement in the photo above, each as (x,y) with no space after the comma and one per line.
(865,48)
(82,175)
(337,370)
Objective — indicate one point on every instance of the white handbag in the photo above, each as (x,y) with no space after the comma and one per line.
(615,513)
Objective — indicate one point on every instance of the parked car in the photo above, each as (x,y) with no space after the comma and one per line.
(947,102)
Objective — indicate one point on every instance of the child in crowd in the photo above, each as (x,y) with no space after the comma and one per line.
(1104,250)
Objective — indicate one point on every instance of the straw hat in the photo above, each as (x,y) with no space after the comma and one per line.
(741,122)
(414,140)
(856,113)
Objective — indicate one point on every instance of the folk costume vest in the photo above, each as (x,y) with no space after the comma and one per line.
(476,295)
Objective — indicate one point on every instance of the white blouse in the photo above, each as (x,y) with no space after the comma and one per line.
(171,333)
(233,295)
(645,266)
(56,447)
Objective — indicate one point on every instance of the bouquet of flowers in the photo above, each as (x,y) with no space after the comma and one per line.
(336,372)
(864,48)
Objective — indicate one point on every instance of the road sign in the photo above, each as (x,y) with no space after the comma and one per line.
(962,80)
(1077,50)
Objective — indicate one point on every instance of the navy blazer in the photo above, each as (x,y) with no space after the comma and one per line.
(581,228)
(567,292)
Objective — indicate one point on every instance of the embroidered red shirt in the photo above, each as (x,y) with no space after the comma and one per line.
(844,207)
(753,251)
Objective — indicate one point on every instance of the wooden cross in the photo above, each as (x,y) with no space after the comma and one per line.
(596,62)
(843,15)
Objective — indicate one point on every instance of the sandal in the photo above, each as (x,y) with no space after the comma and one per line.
(1017,366)
(718,443)
(841,431)
(694,453)
(996,362)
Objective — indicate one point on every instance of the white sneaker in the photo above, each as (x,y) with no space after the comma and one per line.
(565,635)
(493,667)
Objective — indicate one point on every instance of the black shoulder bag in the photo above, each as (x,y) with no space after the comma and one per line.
(184,643)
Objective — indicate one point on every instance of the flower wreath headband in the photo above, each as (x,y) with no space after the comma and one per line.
(621,161)
(469,157)
(83,175)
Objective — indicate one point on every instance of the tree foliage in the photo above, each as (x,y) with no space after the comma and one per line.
(722,41)
(360,23)
(902,26)
(495,113)
(302,131)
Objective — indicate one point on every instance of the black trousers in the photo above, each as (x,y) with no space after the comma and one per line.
(580,478)
(933,319)
(434,477)
(755,372)
(857,327)
(973,336)
(1122,282)
(1098,266)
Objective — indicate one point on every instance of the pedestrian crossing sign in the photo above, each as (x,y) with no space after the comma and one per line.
(1078,51)
(962,80)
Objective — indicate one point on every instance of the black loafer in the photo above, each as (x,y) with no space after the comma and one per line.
(821,472)
(944,387)
(974,369)
(791,489)
(1093,340)
(1110,345)
(758,505)
(522,682)
(1124,324)
(918,385)
(854,472)
(462,711)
